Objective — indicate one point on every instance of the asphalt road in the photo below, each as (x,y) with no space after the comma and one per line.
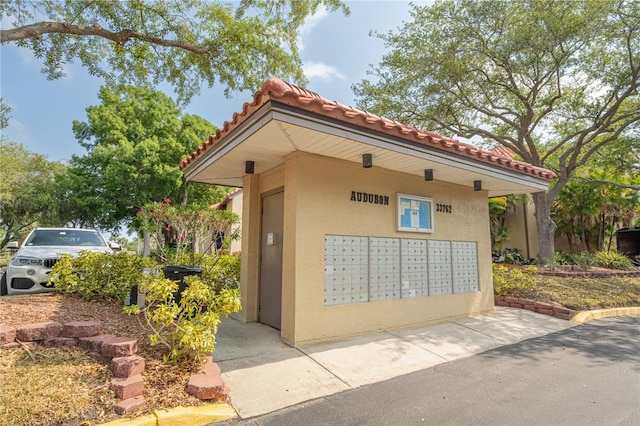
(585,375)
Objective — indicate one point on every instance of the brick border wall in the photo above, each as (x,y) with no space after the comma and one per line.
(577,273)
(127,381)
(539,307)
(119,352)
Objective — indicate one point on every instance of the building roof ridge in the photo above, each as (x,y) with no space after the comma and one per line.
(287,93)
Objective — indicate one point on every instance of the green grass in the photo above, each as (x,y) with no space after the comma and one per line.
(584,293)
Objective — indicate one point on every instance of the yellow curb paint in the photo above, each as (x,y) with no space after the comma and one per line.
(586,316)
(195,416)
(582,317)
(148,420)
(181,416)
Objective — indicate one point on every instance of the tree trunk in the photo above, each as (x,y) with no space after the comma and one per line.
(185,191)
(7,237)
(146,247)
(546,228)
(586,244)
(610,239)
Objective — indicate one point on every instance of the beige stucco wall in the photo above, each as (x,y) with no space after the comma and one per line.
(518,227)
(235,205)
(253,186)
(250,242)
(519,223)
(317,202)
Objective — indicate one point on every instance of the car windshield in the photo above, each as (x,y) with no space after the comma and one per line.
(65,237)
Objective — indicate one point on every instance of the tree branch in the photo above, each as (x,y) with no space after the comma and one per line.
(39,29)
(618,184)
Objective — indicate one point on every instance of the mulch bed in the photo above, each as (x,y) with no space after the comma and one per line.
(165,384)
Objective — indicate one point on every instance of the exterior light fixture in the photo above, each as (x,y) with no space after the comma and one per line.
(428,175)
(477,185)
(367,161)
(249,167)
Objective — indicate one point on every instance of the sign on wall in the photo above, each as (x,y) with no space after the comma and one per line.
(415,214)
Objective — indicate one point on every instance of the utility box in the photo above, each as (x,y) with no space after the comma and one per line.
(135,297)
(628,243)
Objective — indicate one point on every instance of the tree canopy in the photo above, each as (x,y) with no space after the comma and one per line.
(26,198)
(602,197)
(554,81)
(135,140)
(618,164)
(184,42)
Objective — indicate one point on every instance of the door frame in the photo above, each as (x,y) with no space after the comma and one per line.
(279,243)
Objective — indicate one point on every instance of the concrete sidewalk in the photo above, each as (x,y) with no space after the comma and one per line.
(263,374)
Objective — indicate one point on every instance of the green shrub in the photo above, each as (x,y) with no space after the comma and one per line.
(507,280)
(224,272)
(562,258)
(187,329)
(5,256)
(103,275)
(584,260)
(175,230)
(512,256)
(612,260)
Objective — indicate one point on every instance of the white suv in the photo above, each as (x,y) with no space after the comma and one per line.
(28,270)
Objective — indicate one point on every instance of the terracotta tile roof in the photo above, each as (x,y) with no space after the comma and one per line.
(504,151)
(278,90)
(225,200)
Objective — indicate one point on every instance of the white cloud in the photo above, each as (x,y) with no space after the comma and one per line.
(30,61)
(7,21)
(67,69)
(18,131)
(310,23)
(26,55)
(322,71)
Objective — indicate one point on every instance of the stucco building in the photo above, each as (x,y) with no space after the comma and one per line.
(353,223)
(233,203)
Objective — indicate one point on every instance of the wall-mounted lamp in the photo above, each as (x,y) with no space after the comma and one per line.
(367,161)
(428,175)
(249,167)
(477,185)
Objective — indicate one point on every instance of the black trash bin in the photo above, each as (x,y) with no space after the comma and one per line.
(177,273)
(628,242)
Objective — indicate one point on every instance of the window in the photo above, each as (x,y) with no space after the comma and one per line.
(66,237)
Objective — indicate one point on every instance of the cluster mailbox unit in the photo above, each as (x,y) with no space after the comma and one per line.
(353,223)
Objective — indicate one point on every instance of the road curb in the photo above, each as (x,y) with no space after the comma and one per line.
(586,316)
(181,416)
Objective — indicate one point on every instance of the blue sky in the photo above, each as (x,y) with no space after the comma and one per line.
(336,52)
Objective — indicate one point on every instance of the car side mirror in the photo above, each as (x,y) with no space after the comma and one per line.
(13,245)
(115,246)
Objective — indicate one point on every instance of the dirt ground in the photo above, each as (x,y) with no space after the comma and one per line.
(165,384)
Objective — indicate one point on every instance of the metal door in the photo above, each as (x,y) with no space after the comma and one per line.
(271,259)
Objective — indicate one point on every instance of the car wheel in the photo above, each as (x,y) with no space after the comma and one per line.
(3,284)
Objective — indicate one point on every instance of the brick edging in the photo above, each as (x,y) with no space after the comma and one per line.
(589,274)
(539,307)
(119,352)
(127,382)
